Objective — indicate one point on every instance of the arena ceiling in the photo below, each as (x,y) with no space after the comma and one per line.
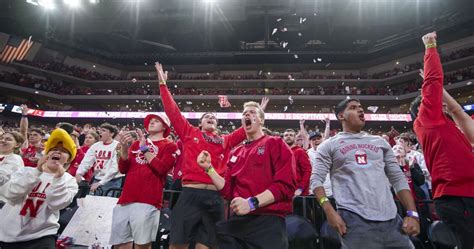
(237,31)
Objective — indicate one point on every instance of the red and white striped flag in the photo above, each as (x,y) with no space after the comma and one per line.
(16,49)
(224,101)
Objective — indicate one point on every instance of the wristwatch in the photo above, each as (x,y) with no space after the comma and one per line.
(413,214)
(144,149)
(253,202)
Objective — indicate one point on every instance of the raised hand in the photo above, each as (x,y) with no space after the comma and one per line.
(141,137)
(302,122)
(162,76)
(204,159)
(429,38)
(24,110)
(264,103)
(125,138)
(422,73)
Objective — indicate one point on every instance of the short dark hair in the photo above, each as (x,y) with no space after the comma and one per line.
(289,130)
(267,131)
(415,107)
(342,106)
(404,136)
(111,128)
(39,131)
(204,114)
(68,127)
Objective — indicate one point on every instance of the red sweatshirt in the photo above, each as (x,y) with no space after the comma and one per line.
(177,174)
(144,182)
(448,153)
(195,141)
(77,161)
(303,169)
(266,163)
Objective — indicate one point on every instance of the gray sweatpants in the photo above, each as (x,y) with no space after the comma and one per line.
(362,233)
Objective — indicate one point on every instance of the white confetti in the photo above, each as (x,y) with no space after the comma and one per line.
(285,108)
(327,65)
(134,80)
(146,64)
(279,19)
(109,90)
(290,77)
(373,108)
(314,14)
(189,102)
(260,72)
(314,60)
(296,56)
(290,99)
(348,97)
(138,101)
(93,66)
(274,31)
(302,19)
(175,86)
(299,34)
(284,44)
(284,29)
(302,90)
(469,83)
(319,59)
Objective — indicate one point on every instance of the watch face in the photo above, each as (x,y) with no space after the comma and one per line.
(255,201)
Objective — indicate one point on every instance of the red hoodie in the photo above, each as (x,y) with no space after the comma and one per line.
(448,153)
(195,141)
(266,163)
(145,181)
(303,169)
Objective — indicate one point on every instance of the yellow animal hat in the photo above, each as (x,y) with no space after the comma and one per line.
(61,136)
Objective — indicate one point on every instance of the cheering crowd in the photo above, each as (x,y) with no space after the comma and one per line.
(257,172)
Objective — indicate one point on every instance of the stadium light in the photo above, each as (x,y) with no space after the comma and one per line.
(47,4)
(93,1)
(34,2)
(72,3)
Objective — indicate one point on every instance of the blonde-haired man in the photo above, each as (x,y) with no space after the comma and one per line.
(260,182)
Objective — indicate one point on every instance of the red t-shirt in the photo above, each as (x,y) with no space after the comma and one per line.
(145,181)
(303,169)
(30,151)
(448,154)
(266,163)
(195,141)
